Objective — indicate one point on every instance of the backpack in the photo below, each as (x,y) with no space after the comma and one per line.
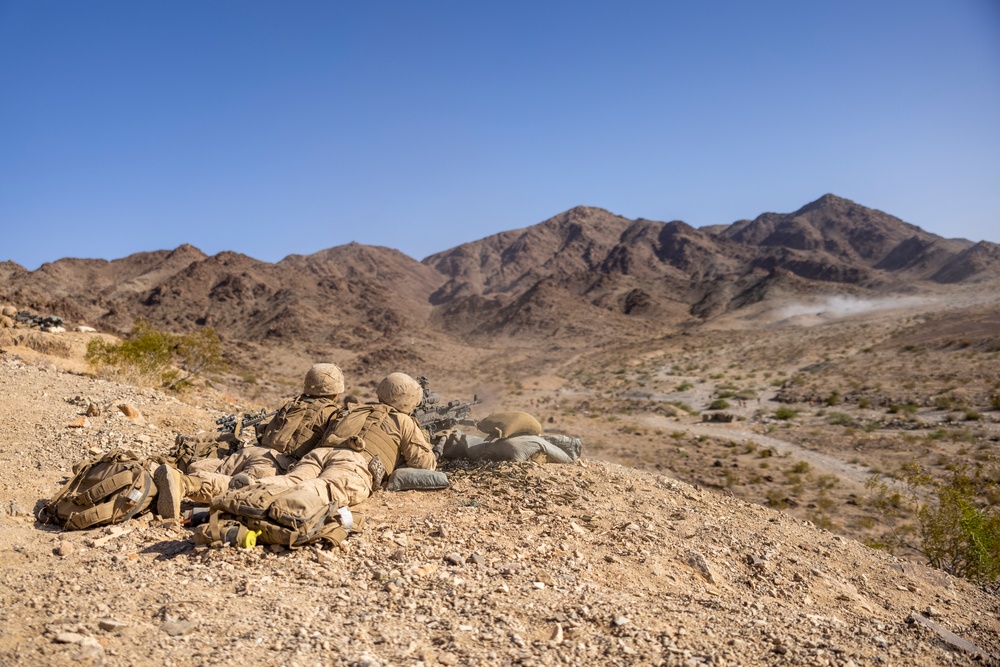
(267,514)
(190,448)
(299,424)
(107,489)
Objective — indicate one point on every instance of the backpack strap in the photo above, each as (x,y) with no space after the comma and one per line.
(47,513)
(125,506)
(106,487)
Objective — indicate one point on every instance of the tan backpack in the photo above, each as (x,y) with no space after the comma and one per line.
(299,425)
(273,515)
(107,489)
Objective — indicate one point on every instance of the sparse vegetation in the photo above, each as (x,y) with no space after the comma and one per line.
(785,413)
(955,529)
(152,357)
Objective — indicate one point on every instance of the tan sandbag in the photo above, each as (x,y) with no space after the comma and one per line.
(509,424)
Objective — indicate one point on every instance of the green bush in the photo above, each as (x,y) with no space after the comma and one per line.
(957,531)
(840,419)
(719,404)
(785,412)
(153,357)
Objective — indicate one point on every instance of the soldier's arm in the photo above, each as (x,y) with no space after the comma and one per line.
(413,446)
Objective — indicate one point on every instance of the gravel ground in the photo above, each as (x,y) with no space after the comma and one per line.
(525,564)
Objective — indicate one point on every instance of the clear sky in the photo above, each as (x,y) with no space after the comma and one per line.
(273,128)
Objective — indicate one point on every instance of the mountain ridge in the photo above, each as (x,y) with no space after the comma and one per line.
(582,274)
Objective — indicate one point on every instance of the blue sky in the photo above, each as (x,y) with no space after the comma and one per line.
(277,128)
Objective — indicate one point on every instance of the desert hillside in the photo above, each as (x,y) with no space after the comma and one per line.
(770,408)
(592,563)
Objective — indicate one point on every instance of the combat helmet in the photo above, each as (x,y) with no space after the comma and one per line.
(400,391)
(324,380)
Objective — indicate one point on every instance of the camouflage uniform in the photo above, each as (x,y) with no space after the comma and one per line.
(208,478)
(343,475)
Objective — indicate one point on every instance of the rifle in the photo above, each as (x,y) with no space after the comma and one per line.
(229,423)
(433,417)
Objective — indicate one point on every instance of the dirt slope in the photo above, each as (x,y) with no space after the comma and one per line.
(592,563)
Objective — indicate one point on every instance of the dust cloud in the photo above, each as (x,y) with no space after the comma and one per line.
(839,306)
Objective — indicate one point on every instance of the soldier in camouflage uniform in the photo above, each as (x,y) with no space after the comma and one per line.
(364,445)
(293,432)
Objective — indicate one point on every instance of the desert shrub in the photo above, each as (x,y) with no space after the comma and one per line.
(719,404)
(864,403)
(153,357)
(725,394)
(776,499)
(833,399)
(785,412)
(972,415)
(684,386)
(957,531)
(995,402)
(801,467)
(840,419)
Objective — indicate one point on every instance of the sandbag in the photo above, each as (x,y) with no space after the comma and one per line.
(417,479)
(508,424)
(555,448)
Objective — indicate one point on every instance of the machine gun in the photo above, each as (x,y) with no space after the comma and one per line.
(229,423)
(433,417)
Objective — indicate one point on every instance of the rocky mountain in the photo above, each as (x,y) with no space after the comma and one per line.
(583,275)
(673,273)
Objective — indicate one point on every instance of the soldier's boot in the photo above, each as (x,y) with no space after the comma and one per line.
(171,488)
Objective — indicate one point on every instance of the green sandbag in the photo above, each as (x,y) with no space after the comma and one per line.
(417,479)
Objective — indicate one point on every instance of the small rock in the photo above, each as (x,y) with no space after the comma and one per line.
(93,410)
(85,329)
(90,651)
(69,638)
(95,451)
(64,548)
(454,559)
(111,625)
(129,410)
(619,621)
(79,422)
(557,634)
(932,612)
(178,628)
(446,658)
(476,559)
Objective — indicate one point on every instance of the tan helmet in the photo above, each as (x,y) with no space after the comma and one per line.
(400,391)
(324,380)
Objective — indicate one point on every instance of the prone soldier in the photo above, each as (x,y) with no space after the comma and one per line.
(293,432)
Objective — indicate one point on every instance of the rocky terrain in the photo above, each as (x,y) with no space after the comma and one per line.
(531,564)
(737,389)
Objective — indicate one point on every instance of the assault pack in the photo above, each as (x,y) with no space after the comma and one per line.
(110,488)
(289,517)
